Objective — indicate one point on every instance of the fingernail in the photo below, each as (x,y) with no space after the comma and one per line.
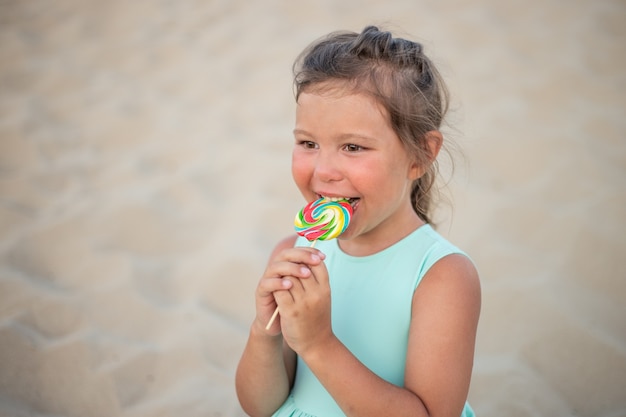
(305,271)
(286,283)
(315,258)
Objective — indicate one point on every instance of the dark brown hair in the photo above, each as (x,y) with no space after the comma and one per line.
(399,76)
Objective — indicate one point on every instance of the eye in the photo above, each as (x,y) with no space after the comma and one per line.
(307,144)
(351,147)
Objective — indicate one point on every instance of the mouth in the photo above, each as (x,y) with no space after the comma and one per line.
(353,201)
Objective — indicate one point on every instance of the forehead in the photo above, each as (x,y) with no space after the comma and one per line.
(339,93)
(340,109)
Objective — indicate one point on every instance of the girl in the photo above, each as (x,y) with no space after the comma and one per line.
(381,321)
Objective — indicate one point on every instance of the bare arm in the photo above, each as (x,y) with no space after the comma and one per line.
(446,308)
(264,374)
(440,351)
(266,369)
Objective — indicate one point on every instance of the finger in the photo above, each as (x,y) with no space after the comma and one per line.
(320,274)
(286,296)
(287,268)
(303,255)
(312,282)
(297,286)
(268,286)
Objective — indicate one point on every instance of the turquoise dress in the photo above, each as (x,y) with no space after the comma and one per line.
(367,294)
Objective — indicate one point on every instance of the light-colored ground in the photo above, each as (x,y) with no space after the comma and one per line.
(144,177)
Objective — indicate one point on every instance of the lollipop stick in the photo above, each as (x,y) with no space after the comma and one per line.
(269,323)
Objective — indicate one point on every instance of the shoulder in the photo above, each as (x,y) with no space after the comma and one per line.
(452,280)
(457,264)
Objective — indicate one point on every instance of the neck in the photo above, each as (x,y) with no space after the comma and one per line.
(381,238)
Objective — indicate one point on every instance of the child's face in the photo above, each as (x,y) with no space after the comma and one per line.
(345,147)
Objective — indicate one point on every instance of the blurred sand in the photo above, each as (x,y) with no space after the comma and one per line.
(144,178)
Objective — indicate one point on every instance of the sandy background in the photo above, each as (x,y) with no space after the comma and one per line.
(144,178)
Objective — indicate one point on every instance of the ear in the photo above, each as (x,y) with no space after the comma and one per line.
(433,141)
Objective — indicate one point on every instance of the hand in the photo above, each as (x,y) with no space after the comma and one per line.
(305,309)
(294,263)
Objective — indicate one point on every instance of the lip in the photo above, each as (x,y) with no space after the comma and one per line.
(329,195)
(353,201)
(334,196)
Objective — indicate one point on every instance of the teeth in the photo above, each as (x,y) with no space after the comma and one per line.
(350,200)
(335,199)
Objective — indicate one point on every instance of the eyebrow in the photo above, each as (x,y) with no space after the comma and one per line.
(344,136)
(302,132)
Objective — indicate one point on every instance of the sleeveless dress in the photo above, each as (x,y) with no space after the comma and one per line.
(367,294)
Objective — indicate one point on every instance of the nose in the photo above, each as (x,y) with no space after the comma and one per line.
(327,167)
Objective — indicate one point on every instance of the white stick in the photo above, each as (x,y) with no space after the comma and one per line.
(269,324)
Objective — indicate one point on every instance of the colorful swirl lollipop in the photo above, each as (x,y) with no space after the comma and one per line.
(323,219)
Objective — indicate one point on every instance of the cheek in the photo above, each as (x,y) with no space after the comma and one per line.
(382,178)
(299,169)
